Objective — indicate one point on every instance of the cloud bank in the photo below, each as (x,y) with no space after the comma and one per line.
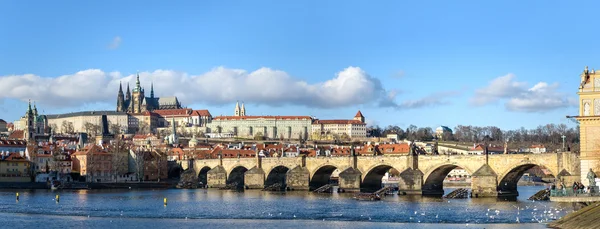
(517,96)
(350,87)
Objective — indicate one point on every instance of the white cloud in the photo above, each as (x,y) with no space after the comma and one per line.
(517,97)
(350,87)
(501,87)
(115,43)
(434,99)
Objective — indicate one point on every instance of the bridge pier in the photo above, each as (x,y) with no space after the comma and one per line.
(254,178)
(411,182)
(484,182)
(349,180)
(298,178)
(217,177)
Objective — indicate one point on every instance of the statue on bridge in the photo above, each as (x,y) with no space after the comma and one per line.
(591,176)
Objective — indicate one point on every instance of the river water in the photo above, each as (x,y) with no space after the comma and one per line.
(257,209)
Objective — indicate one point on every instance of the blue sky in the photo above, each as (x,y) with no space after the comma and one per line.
(428,63)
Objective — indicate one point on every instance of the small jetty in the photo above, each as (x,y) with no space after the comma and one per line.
(542,195)
(384,191)
(461,193)
(230,186)
(328,188)
(275,187)
(367,196)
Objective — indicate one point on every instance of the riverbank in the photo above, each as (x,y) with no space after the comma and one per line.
(582,219)
(43,185)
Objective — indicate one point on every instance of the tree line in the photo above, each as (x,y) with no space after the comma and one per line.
(551,135)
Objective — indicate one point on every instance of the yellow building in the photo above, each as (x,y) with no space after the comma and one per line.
(589,122)
(14,168)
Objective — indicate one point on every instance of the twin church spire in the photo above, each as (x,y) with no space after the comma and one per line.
(240,111)
(134,101)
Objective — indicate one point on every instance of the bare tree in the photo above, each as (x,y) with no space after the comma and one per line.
(119,158)
(139,158)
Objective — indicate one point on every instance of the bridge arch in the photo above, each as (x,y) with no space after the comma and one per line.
(203,175)
(508,182)
(236,175)
(433,180)
(276,175)
(322,175)
(371,180)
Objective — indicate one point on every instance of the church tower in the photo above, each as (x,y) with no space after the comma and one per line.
(29,125)
(243,110)
(237,109)
(359,116)
(589,122)
(120,99)
(137,96)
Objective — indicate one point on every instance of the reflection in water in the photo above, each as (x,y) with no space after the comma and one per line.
(259,205)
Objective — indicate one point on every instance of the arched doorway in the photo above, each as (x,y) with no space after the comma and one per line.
(277,175)
(202,175)
(236,176)
(372,181)
(508,185)
(322,176)
(434,182)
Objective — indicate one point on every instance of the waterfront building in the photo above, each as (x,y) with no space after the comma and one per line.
(14,167)
(94,163)
(343,129)
(13,146)
(270,127)
(589,122)
(137,102)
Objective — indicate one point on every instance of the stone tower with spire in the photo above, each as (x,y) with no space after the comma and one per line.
(237,109)
(243,110)
(121,99)
(29,129)
(135,101)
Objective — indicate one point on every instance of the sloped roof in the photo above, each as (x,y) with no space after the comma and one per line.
(17,134)
(338,121)
(359,114)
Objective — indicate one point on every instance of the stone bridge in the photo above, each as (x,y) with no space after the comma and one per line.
(419,174)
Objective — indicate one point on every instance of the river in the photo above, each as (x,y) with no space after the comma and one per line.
(257,209)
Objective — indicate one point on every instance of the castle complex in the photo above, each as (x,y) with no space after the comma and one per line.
(137,102)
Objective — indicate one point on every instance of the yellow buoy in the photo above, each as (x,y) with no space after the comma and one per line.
(57,198)
(165,200)
(17,196)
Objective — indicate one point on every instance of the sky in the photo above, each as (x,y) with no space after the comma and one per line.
(428,63)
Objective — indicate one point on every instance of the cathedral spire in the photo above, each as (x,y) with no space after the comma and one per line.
(237,108)
(120,88)
(137,83)
(35,113)
(151,89)
(128,95)
(29,111)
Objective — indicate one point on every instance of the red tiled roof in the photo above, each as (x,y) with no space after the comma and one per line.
(13,143)
(15,157)
(174,112)
(17,134)
(401,148)
(202,113)
(358,114)
(261,117)
(339,121)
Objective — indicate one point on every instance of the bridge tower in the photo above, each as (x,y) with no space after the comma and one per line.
(589,122)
